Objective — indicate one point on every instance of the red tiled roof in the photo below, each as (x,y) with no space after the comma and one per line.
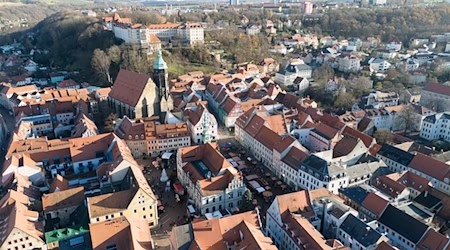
(430,166)
(128,87)
(375,204)
(368,140)
(433,240)
(438,88)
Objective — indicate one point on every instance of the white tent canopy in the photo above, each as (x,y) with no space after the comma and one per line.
(166,155)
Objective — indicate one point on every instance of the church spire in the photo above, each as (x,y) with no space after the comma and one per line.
(159,63)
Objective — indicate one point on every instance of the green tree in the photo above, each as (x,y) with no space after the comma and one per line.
(110,123)
(247,202)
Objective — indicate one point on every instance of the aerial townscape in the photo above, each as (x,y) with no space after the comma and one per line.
(228,125)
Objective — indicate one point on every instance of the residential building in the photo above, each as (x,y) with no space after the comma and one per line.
(358,235)
(210,180)
(60,207)
(348,63)
(20,225)
(379,65)
(293,223)
(436,127)
(40,125)
(252,29)
(286,76)
(138,201)
(402,230)
(238,231)
(202,125)
(378,99)
(123,232)
(147,138)
(68,84)
(436,96)
(399,160)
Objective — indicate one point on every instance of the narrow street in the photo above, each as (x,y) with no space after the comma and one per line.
(10,124)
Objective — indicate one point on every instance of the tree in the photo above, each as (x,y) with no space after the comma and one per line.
(407,119)
(110,123)
(101,62)
(247,202)
(383,136)
(133,61)
(115,54)
(322,74)
(344,101)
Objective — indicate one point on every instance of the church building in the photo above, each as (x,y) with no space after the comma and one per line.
(137,95)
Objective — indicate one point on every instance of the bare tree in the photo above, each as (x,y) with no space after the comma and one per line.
(407,119)
(115,54)
(383,136)
(101,63)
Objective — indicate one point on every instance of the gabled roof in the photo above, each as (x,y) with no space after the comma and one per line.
(59,184)
(375,204)
(129,87)
(325,131)
(63,199)
(368,140)
(360,231)
(438,88)
(123,232)
(433,240)
(431,167)
(294,158)
(242,230)
(395,154)
(403,224)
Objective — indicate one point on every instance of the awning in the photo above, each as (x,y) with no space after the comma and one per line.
(260,190)
(251,177)
(166,156)
(255,185)
(191,209)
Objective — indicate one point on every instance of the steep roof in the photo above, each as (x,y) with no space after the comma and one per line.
(110,203)
(360,231)
(434,240)
(63,199)
(431,167)
(402,223)
(129,87)
(375,203)
(15,214)
(123,232)
(240,229)
(438,88)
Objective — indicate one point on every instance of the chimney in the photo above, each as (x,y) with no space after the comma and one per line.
(426,194)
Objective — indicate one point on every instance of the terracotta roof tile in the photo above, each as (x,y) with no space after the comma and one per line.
(438,88)
(63,199)
(375,204)
(430,166)
(433,240)
(129,86)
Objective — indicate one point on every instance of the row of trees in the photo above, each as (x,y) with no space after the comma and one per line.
(404,23)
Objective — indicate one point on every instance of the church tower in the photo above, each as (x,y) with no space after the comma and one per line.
(161,79)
